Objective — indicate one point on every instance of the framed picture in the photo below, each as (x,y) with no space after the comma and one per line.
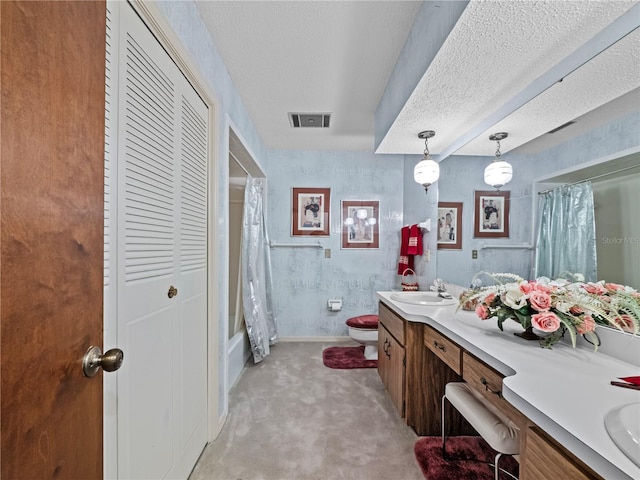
(450,225)
(491,216)
(360,224)
(310,215)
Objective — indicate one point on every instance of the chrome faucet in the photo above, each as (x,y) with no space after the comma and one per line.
(438,286)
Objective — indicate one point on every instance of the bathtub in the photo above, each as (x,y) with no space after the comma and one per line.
(239,353)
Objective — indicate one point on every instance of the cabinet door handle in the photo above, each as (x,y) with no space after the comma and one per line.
(488,388)
(439,346)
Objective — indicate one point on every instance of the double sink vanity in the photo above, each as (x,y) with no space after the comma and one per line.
(558,397)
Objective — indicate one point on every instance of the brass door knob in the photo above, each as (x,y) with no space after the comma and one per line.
(173,291)
(94,360)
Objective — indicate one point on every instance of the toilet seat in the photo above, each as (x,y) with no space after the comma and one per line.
(368,322)
(364,329)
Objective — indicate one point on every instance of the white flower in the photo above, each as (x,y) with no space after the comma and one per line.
(514,298)
(564,307)
(543,280)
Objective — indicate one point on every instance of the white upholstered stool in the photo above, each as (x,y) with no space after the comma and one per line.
(497,430)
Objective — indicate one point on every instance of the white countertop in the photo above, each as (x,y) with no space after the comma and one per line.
(565,391)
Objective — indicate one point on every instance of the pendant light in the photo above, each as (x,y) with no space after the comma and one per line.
(498,173)
(427,171)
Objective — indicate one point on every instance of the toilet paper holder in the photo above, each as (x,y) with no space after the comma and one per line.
(334,304)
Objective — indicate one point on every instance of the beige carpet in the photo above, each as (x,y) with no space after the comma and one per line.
(292,418)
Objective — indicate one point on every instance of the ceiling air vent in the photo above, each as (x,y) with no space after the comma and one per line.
(310,120)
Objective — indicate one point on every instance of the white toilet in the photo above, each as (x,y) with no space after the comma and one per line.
(364,330)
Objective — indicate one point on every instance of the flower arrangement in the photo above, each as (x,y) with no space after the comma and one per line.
(553,307)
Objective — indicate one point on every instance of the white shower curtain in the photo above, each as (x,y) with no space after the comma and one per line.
(256,272)
(567,233)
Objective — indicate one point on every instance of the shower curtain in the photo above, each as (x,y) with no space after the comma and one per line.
(567,232)
(256,272)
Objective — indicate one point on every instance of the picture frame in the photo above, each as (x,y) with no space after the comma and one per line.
(449,232)
(360,224)
(310,212)
(491,214)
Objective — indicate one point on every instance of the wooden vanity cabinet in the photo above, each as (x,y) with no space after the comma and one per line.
(391,366)
(413,375)
(543,457)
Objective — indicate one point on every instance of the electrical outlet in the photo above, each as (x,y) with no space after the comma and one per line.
(474,254)
(427,255)
(327,253)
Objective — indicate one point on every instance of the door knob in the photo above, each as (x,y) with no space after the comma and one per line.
(173,291)
(93,360)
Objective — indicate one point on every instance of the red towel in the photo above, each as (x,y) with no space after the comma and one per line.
(406,260)
(415,241)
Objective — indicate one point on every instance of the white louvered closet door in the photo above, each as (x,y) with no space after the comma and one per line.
(161,244)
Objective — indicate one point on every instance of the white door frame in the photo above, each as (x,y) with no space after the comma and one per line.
(155,21)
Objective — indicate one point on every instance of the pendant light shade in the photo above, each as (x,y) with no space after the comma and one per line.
(427,171)
(498,173)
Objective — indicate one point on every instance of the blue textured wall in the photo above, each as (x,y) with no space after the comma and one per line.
(303,278)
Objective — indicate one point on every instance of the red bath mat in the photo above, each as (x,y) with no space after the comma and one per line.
(347,357)
(468,458)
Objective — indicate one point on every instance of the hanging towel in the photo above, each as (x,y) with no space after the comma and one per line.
(415,240)
(406,260)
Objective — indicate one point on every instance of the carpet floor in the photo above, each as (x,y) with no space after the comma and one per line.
(346,358)
(292,418)
(467,459)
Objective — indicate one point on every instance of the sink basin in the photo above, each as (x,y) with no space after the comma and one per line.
(422,298)
(623,426)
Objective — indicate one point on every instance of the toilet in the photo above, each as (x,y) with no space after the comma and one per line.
(364,330)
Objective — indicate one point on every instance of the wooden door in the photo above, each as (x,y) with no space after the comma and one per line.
(52,116)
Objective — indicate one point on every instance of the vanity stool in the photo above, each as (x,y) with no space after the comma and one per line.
(496,429)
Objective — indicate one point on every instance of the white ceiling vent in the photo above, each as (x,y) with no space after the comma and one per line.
(306,120)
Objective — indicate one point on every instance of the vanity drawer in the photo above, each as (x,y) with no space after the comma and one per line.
(445,349)
(392,322)
(488,382)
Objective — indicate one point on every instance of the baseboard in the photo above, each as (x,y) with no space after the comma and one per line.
(314,339)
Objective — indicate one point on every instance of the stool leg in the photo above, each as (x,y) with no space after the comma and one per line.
(497,468)
(443,428)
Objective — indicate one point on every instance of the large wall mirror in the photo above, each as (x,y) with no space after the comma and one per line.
(615,181)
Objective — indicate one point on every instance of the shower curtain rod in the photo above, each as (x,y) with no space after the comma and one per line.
(592,178)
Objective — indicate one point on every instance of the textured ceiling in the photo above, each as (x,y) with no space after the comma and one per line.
(497,71)
(492,55)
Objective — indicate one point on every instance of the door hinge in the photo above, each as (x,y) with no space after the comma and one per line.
(404,360)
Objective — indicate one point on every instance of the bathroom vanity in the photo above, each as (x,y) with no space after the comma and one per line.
(558,397)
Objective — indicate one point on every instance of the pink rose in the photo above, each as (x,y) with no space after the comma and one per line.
(526,287)
(613,286)
(540,301)
(635,294)
(587,325)
(541,287)
(594,288)
(482,311)
(545,321)
(576,310)
(489,299)
(625,322)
